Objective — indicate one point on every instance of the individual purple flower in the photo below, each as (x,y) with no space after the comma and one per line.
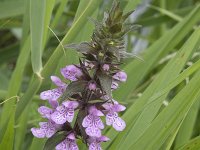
(68,144)
(92,86)
(114,85)
(65,112)
(71,72)
(93,123)
(106,67)
(121,76)
(47,129)
(95,143)
(54,94)
(112,117)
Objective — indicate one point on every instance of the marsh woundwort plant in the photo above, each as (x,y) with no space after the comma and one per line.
(89,92)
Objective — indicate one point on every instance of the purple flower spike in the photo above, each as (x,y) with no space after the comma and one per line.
(112,115)
(47,129)
(106,67)
(45,112)
(121,76)
(95,143)
(68,144)
(71,72)
(65,112)
(93,123)
(92,86)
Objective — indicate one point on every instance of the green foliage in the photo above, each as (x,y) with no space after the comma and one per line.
(162,92)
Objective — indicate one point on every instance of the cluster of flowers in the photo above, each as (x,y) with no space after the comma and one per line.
(88,95)
(61,115)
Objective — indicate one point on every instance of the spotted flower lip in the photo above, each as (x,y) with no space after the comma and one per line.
(68,144)
(112,117)
(47,129)
(121,76)
(93,123)
(95,143)
(65,112)
(71,72)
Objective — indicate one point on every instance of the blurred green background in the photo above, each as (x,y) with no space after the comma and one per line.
(32,38)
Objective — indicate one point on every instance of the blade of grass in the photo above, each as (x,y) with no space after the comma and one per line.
(193,144)
(186,130)
(7,142)
(40,13)
(15,82)
(168,13)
